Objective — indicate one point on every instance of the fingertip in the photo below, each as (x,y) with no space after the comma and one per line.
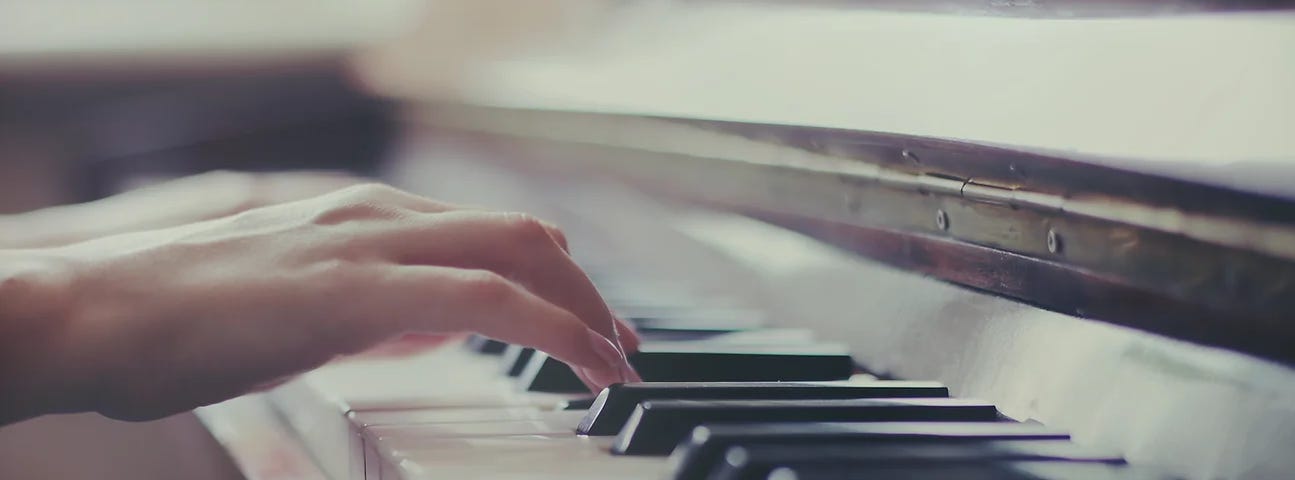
(557,235)
(605,349)
(616,368)
(629,337)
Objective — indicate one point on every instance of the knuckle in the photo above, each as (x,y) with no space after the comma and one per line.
(354,210)
(487,287)
(370,191)
(527,230)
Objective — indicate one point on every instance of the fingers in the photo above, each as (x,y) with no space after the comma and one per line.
(387,195)
(630,340)
(512,245)
(441,299)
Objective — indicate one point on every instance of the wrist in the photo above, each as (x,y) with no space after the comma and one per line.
(12,233)
(33,320)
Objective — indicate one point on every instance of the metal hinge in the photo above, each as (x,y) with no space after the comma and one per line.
(980,191)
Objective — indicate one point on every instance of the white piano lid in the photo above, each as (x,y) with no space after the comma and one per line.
(1207,98)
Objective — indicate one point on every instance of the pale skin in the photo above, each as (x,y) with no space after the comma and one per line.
(191,303)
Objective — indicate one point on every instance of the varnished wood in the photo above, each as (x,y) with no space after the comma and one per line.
(1112,268)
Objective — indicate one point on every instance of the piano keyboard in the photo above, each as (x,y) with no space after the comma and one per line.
(725,397)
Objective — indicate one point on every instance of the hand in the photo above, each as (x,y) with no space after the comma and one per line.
(153,323)
(191,199)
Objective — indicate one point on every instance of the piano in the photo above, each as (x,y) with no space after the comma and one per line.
(917,240)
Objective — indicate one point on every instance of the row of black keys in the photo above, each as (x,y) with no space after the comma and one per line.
(783,430)
(712,346)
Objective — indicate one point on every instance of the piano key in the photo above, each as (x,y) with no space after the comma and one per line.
(484,344)
(755,462)
(656,426)
(547,374)
(366,419)
(577,404)
(423,429)
(759,336)
(1020,470)
(702,450)
(520,457)
(614,404)
(515,359)
(705,362)
(646,319)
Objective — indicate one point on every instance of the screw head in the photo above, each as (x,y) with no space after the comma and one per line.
(941,220)
(1017,170)
(910,156)
(1054,241)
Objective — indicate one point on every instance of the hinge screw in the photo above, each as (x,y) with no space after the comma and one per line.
(1017,170)
(912,157)
(1054,242)
(941,219)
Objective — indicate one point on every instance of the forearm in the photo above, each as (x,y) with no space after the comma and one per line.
(192,199)
(33,315)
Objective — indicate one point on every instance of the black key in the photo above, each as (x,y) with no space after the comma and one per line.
(705,362)
(1023,470)
(759,336)
(516,357)
(701,451)
(755,462)
(547,374)
(682,335)
(559,378)
(656,426)
(615,404)
(647,319)
(486,345)
(577,404)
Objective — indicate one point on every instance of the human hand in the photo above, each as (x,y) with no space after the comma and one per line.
(186,200)
(153,323)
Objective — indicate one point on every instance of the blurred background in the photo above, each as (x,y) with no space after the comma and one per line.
(94,97)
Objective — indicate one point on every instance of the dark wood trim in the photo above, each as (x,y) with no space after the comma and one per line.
(1049,285)
(1115,268)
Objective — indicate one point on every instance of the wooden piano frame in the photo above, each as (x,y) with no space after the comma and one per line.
(1194,262)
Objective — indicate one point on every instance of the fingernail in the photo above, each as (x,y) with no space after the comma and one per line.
(612,372)
(605,349)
